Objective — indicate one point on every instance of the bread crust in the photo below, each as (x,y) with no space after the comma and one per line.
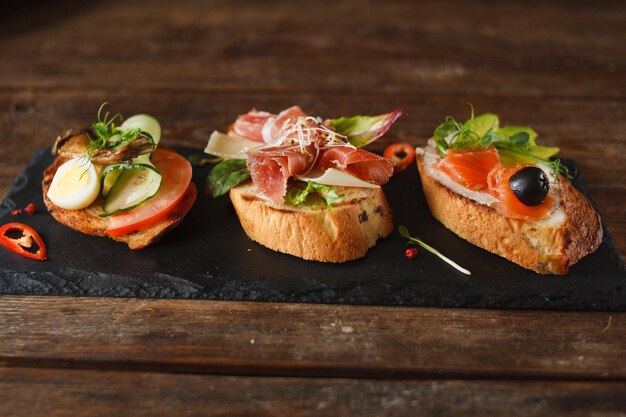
(342,233)
(89,222)
(542,247)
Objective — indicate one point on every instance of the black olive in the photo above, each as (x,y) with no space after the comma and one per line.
(530,185)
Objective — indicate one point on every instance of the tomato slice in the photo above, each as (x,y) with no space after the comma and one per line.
(176,172)
(23,240)
(401,155)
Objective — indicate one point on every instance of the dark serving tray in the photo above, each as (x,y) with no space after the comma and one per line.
(210,257)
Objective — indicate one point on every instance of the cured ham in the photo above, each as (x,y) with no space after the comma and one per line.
(271,168)
(295,144)
(250,125)
(263,126)
(274,127)
(358,162)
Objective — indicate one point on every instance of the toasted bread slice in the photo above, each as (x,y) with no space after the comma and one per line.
(89,222)
(548,246)
(338,234)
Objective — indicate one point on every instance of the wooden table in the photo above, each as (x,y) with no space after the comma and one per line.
(196,65)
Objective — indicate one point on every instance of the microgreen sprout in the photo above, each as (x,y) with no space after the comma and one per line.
(415,240)
(517,142)
(109,136)
(104,129)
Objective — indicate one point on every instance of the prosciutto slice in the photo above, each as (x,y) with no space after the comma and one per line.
(271,168)
(250,125)
(358,162)
(263,126)
(295,146)
(272,127)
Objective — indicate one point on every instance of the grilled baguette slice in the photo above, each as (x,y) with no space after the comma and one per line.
(550,246)
(89,222)
(339,234)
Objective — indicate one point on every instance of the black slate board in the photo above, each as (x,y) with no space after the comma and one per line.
(209,257)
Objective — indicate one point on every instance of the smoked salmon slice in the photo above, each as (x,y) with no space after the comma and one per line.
(510,206)
(480,170)
(470,167)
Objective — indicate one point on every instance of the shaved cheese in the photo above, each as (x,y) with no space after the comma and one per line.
(334,176)
(226,146)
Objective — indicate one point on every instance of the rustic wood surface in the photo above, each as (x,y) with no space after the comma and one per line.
(560,68)
(317,340)
(54,392)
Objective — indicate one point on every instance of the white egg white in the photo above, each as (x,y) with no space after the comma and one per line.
(75,185)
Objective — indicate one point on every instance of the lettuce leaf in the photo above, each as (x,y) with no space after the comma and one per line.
(515,144)
(363,130)
(226,175)
(513,132)
(312,193)
(522,138)
(483,124)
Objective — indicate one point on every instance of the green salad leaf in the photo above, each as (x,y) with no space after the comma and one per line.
(226,175)
(310,192)
(112,137)
(515,144)
(482,124)
(362,130)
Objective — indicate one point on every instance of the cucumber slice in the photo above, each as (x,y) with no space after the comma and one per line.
(136,184)
(108,180)
(125,186)
(146,123)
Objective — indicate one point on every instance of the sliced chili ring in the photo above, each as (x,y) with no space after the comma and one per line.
(401,155)
(23,240)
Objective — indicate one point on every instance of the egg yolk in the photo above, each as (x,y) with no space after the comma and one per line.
(76,177)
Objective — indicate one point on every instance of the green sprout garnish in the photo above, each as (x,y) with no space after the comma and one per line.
(515,144)
(104,128)
(415,240)
(109,136)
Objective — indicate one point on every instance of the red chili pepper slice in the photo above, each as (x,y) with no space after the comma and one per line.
(401,154)
(23,240)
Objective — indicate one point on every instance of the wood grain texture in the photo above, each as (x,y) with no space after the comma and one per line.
(57,393)
(248,338)
(513,48)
